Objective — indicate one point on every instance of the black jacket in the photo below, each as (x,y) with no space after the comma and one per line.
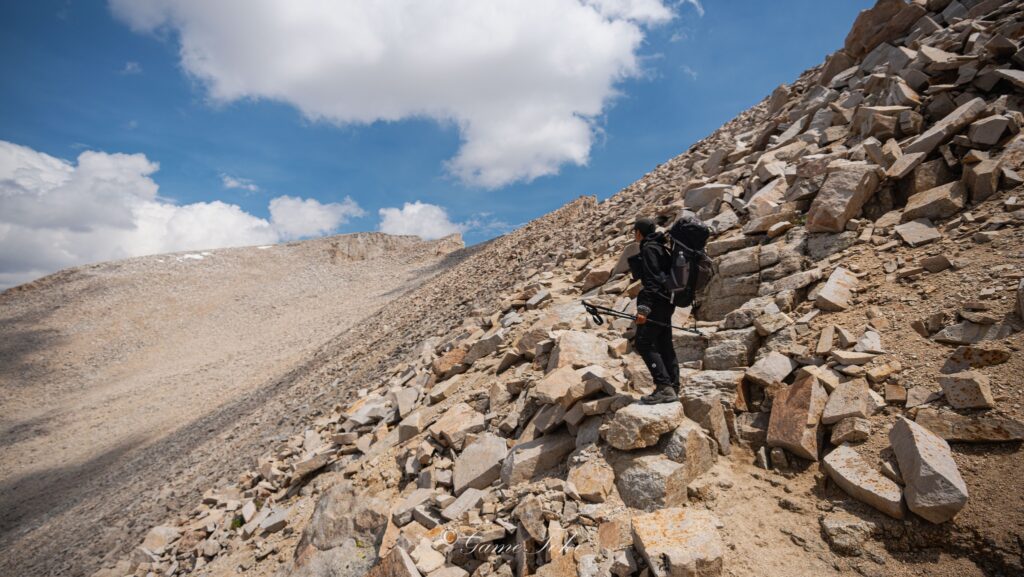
(651,267)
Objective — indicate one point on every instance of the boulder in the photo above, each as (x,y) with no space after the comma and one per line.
(862,482)
(593,480)
(967,390)
(449,363)
(730,349)
(837,292)
(158,538)
(479,464)
(637,426)
(850,399)
(982,179)
(904,165)
(426,558)
(342,514)
(978,428)
(796,416)
(851,430)
(578,349)
(555,385)
(771,368)
(845,191)
(648,480)
(937,203)
(596,277)
(975,356)
(934,488)
(487,345)
(968,333)
(951,125)
(987,131)
(690,446)
(918,232)
(455,423)
(538,299)
(679,542)
(397,563)
(708,196)
(528,459)
(705,408)
(468,500)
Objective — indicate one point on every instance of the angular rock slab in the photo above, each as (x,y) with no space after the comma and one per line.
(593,480)
(934,488)
(773,367)
(649,481)
(796,416)
(479,465)
(981,428)
(862,482)
(457,422)
(850,399)
(918,232)
(837,292)
(967,390)
(578,349)
(637,426)
(679,542)
(690,446)
(843,194)
(528,459)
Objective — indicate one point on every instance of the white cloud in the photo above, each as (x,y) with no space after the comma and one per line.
(55,214)
(430,221)
(296,218)
(427,221)
(689,71)
(131,67)
(523,80)
(243,183)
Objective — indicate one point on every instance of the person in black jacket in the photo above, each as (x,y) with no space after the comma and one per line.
(654,341)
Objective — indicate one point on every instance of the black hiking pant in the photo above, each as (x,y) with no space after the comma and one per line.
(654,343)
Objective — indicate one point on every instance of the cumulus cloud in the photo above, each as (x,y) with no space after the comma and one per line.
(243,183)
(427,221)
(296,217)
(55,214)
(522,80)
(430,221)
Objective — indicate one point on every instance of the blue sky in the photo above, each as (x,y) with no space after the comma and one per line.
(93,76)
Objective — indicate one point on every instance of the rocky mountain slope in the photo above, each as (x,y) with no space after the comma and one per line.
(103,366)
(851,404)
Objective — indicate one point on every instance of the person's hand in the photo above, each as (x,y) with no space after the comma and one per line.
(641,314)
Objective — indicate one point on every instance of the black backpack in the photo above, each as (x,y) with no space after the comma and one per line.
(691,269)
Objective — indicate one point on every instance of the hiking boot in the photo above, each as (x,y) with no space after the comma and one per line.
(660,395)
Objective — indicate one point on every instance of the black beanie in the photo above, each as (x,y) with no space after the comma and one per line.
(645,225)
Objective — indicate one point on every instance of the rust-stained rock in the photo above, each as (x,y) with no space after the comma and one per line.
(975,428)
(679,542)
(796,415)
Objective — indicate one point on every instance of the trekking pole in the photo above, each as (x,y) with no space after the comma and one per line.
(595,312)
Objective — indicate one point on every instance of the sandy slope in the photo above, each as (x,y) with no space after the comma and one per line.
(110,373)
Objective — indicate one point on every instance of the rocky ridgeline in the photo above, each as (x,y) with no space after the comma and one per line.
(511,444)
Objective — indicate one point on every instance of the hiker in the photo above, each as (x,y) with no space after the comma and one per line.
(654,340)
